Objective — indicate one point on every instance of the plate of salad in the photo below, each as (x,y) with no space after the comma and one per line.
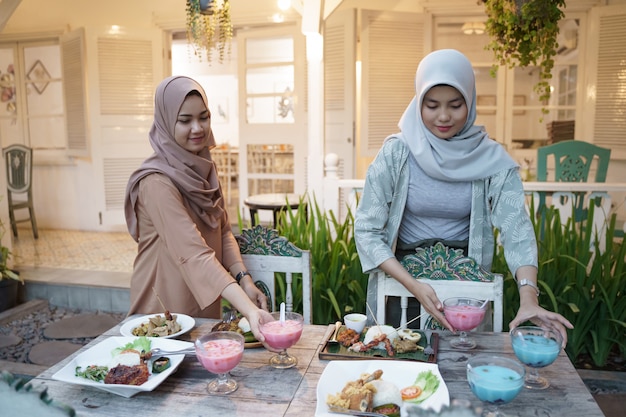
(116,365)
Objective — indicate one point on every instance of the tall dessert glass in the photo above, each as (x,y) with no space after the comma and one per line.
(220,353)
(282,335)
(496,380)
(464,314)
(536,348)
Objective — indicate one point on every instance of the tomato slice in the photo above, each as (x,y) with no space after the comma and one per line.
(410,393)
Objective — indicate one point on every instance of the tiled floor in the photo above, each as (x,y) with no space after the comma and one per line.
(85,251)
(66,249)
(74,269)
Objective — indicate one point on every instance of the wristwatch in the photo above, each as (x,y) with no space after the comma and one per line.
(523,282)
(241,275)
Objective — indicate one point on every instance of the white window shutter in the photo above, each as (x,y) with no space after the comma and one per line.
(74,82)
(392,46)
(125,65)
(610,119)
(339,88)
(117,171)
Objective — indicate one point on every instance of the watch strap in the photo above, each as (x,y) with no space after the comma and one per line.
(523,282)
(240,276)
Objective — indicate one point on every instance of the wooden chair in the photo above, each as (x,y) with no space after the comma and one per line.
(450,274)
(265,253)
(572,160)
(19,166)
(227,163)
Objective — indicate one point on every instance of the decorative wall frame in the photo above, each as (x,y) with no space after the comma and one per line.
(39,76)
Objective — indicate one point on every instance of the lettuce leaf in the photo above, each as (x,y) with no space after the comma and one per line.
(429,383)
(141,344)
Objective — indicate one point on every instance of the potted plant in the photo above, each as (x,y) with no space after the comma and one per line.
(9,278)
(209,27)
(523,33)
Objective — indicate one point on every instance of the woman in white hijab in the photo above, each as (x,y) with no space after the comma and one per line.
(442,179)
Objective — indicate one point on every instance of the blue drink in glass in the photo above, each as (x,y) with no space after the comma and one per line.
(496,380)
(536,351)
(536,348)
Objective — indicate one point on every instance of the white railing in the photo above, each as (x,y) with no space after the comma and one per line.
(340,195)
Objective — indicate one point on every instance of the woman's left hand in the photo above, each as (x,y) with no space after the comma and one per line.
(254,293)
(542,318)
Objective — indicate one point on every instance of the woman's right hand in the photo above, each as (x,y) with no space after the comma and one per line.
(427,297)
(423,292)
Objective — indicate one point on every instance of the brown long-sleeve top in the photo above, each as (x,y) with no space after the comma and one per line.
(187,263)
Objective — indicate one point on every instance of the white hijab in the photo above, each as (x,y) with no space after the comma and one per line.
(470,154)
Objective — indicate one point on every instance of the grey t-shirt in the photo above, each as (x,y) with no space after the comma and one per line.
(435,209)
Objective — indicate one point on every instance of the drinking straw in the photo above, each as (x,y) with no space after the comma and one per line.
(282,312)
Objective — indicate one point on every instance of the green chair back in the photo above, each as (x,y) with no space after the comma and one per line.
(572,163)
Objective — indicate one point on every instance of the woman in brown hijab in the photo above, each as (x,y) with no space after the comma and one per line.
(174,209)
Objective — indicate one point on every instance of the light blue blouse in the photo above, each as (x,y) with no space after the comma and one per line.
(497,201)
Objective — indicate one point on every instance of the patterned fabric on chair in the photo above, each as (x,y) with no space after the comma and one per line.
(266,253)
(451,274)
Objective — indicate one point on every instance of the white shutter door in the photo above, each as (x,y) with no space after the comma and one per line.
(609,56)
(392,46)
(76,112)
(339,88)
(129,68)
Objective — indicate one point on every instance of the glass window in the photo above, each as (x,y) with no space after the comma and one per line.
(269,50)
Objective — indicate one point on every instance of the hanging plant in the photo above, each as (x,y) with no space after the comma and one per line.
(209,27)
(523,33)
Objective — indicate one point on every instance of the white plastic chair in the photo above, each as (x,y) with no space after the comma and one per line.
(265,253)
(450,274)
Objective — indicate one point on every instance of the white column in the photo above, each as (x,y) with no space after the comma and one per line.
(315,133)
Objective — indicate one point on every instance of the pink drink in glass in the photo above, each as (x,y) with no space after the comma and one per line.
(221,355)
(282,335)
(464,314)
(464,317)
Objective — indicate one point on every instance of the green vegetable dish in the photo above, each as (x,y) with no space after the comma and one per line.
(429,383)
(93,372)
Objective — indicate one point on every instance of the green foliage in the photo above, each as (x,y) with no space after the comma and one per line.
(523,33)
(209,29)
(339,285)
(5,256)
(584,285)
(22,399)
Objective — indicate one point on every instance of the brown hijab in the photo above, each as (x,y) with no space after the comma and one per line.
(194,175)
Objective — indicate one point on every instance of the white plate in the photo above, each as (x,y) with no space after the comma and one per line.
(100,355)
(187,323)
(401,373)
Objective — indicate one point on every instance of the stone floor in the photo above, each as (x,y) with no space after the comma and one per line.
(36,333)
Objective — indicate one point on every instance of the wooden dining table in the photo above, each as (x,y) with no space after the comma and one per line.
(265,391)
